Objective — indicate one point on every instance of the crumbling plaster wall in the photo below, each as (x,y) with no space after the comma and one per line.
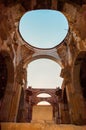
(76,43)
(10,44)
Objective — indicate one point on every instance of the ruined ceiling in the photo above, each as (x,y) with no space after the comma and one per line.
(26,3)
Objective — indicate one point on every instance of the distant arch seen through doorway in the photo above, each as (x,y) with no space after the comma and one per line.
(43,103)
(43,73)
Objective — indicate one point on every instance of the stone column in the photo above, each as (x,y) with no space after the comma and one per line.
(76,106)
(28,100)
(6,104)
(25,116)
(74,97)
(29,109)
(64,113)
(58,94)
(15,103)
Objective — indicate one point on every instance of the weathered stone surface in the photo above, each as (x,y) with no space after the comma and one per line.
(42,113)
(81,21)
(39,126)
(10,41)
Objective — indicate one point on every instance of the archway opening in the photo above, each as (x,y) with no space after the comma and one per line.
(6,84)
(43,103)
(80,74)
(3,76)
(44,73)
(83,75)
(43,95)
(79,82)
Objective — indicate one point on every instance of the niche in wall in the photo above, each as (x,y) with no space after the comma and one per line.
(3,76)
(83,75)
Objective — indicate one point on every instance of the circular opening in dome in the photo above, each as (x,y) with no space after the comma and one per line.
(43,28)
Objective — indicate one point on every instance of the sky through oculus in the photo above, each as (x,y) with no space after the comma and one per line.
(43,28)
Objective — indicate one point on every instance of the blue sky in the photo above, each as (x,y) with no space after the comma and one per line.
(43,28)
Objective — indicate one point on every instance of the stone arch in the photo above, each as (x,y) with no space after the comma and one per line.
(79,76)
(36,57)
(46,99)
(79,72)
(37,61)
(45,95)
(44,91)
(28,60)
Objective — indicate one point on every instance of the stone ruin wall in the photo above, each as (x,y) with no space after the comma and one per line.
(11,43)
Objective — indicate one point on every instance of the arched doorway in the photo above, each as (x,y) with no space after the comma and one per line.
(79,73)
(79,83)
(3,76)
(83,75)
(6,84)
(43,73)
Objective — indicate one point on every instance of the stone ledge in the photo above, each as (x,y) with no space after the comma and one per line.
(39,126)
